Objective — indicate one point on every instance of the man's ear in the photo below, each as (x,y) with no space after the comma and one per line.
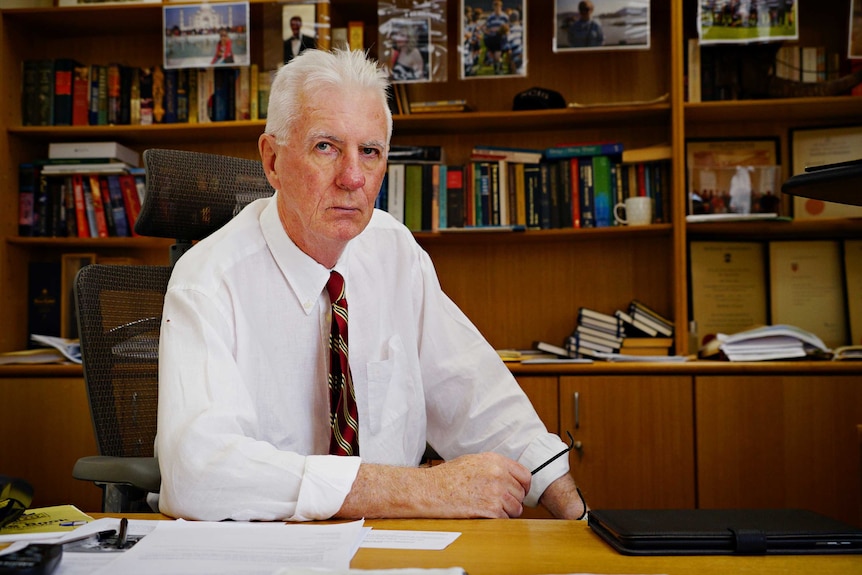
(268,154)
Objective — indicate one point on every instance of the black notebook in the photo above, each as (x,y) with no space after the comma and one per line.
(724,532)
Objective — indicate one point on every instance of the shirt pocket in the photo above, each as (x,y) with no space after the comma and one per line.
(392,389)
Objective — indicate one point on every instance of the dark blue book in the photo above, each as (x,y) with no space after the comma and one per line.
(584,150)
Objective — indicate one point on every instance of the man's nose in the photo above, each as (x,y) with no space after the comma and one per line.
(350,174)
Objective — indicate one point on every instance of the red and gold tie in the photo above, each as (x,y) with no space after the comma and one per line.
(342,400)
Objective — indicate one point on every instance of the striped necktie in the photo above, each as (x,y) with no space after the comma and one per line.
(344,418)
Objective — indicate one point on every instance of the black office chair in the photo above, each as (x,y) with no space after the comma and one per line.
(188,196)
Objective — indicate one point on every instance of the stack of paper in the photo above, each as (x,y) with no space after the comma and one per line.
(771,342)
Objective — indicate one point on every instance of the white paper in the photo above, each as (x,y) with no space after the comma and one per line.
(395,539)
(235,548)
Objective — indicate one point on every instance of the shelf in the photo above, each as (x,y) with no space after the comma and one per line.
(489,235)
(92,243)
(404,125)
(777,230)
(821,110)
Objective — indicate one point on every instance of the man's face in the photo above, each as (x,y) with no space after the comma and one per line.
(295,25)
(330,170)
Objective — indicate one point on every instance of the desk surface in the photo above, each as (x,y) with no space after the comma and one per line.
(547,546)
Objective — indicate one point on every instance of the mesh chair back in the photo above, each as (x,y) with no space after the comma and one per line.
(119,315)
(191,194)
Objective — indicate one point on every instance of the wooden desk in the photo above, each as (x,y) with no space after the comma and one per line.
(547,546)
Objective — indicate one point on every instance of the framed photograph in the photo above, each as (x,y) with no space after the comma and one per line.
(854,45)
(818,147)
(413,40)
(493,38)
(103,2)
(299,29)
(70,264)
(734,178)
(407,48)
(601,25)
(206,35)
(743,22)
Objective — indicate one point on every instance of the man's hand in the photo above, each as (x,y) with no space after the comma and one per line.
(481,485)
(563,500)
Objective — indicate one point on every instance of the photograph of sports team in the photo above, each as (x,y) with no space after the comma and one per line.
(493,38)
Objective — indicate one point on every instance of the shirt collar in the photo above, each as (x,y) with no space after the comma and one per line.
(306,277)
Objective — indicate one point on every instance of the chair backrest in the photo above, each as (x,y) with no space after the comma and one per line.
(188,196)
(119,314)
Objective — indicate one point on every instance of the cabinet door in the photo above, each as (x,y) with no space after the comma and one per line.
(636,438)
(780,441)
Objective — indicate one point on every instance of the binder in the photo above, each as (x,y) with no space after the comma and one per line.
(724,532)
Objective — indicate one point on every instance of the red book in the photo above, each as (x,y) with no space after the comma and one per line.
(80,206)
(98,206)
(642,186)
(131,200)
(575,190)
(81,96)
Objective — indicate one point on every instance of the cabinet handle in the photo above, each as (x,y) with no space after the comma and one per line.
(577,410)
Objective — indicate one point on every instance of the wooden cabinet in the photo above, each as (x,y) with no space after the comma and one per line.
(634,439)
(780,441)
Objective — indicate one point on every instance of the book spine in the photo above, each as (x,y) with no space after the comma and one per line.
(107,209)
(113,94)
(171,114)
(28,178)
(45,94)
(118,206)
(81,96)
(63,74)
(131,200)
(455,196)
(83,226)
(588,214)
(101,221)
(602,191)
(583,150)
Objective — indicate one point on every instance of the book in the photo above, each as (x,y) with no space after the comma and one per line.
(83,150)
(131,200)
(693,70)
(43,104)
(107,167)
(656,153)
(395,190)
(413,190)
(113,94)
(635,327)
(30,92)
(602,192)
(63,74)
(82,223)
(555,350)
(583,150)
(28,181)
(98,201)
(853,287)
(600,320)
(356,34)
(640,311)
(578,341)
(118,205)
(438,106)
(522,155)
(414,154)
(81,96)
(43,297)
(727,286)
(806,288)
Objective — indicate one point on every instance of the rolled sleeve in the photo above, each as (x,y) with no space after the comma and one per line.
(537,452)
(326,482)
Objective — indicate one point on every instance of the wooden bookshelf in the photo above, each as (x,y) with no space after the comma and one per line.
(538,278)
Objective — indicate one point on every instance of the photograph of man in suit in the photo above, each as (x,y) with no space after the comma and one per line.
(297,42)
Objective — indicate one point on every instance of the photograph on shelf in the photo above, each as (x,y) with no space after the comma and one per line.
(413,40)
(299,29)
(409,49)
(206,35)
(743,22)
(601,25)
(821,146)
(733,179)
(854,45)
(493,38)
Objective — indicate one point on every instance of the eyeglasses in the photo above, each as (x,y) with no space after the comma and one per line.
(557,456)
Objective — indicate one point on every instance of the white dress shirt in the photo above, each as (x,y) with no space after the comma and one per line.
(243,424)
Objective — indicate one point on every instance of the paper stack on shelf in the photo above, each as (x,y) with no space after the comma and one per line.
(773,342)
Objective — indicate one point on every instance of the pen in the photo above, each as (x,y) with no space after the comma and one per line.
(72,523)
(124,528)
(101,535)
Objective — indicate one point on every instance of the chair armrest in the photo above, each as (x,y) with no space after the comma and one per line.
(141,472)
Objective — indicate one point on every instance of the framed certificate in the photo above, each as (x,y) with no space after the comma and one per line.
(812,147)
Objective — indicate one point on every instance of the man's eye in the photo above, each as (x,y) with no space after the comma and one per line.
(323,146)
(371,151)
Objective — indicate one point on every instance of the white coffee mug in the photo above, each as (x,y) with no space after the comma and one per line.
(638,211)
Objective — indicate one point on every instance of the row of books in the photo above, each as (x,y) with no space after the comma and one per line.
(573,186)
(638,330)
(64,92)
(83,204)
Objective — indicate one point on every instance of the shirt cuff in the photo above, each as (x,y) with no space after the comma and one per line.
(539,451)
(326,481)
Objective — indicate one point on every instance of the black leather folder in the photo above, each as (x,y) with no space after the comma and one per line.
(724,532)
